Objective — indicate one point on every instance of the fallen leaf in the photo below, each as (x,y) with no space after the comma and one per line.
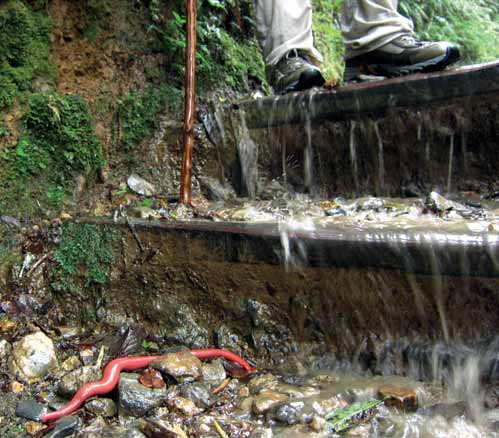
(152,378)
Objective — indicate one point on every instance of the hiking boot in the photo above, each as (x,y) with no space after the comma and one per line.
(295,73)
(402,56)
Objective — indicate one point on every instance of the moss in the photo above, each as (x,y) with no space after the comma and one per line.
(57,143)
(25,49)
(138,111)
(84,257)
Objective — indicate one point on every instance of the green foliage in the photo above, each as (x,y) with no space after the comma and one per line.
(25,49)
(58,143)
(226,47)
(84,257)
(327,36)
(474,24)
(341,419)
(137,111)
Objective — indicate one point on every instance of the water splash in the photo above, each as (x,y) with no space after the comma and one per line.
(248,157)
(353,155)
(451,162)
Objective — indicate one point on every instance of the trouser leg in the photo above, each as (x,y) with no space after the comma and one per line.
(369,24)
(283,25)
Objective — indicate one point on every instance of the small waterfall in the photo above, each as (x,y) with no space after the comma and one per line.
(381,159)
(438,293)
(308,165)
(451,162)
(248,157)
(353,155)
(463,152)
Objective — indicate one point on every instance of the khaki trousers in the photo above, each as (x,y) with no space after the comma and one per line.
(283,25)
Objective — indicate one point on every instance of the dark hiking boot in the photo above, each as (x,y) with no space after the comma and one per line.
(295,73)
(402,56)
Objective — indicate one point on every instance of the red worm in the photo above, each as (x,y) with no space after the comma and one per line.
(112,373)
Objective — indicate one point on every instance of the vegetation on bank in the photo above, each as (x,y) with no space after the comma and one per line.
(57,143)
(84,257)
(24,50)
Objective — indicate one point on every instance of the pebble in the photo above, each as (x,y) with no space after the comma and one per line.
(183,367)
(16,387)
(65,427)
(33,357)
(71,363)
(214,372)
(262,432)
(5,350)
(265,381)
(33,427)
(199,393)
(184,406)
(102,407)
(74,380)
(136,399)
(317,424)
(266,399)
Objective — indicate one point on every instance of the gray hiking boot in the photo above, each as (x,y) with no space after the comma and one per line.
(402,56)
(294,73)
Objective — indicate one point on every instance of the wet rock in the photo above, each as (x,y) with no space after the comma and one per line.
(214,372)
(184,406)
(65,427)
(30,410)
(290,413)
(264,401)
(215,190)
(318,424)
(158,428)
(5,350)
(446,410)
(136,399)
(265,381)
(143,213)
(140,185)
(71,363)
(226,339)
(183,367)
(199,393)
(402,398)
(261,432)
(360,431)
(186,331)
(74,380)
(103,407)
(259,313)
(33,357)
(152,378)
(491,398)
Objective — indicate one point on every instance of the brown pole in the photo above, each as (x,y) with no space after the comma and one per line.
(190,102)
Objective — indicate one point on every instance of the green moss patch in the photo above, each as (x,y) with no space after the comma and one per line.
(57,143)
(84,257)
(24,49)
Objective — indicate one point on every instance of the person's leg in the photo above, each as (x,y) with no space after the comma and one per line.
(379,41)
(284,30)
(369,24)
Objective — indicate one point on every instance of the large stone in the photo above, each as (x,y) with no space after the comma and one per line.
(403,398)
(265,381)
(33,357)
(135,398)
(140,185)
(199,393)
(74,380)
(65,427)
(183,367)
(264,401)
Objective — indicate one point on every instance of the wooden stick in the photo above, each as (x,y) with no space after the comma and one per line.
(190,97)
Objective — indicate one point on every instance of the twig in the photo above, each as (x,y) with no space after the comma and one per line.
(134,233)
(38,263)
(221,387)
(220,430)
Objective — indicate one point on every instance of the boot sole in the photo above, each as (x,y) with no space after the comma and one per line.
(308,79)
(391,71)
